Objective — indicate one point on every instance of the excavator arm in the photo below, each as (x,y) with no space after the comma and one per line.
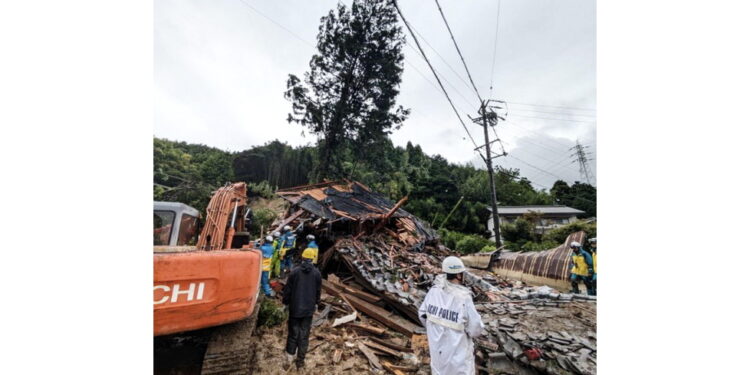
(223,217)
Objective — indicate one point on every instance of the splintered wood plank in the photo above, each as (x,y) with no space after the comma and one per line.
(368,328)
(383,349)
(390,320)
(370,356)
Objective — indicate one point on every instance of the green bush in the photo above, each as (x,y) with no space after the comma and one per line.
(262,188)
(518,231)
(262,217)
(450,238)
(488,249)
(558,235)
(271,313)
(472,244)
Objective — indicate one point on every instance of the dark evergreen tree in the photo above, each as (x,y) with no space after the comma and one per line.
(348,98)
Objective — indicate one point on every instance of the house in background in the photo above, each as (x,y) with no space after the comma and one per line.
(551,216)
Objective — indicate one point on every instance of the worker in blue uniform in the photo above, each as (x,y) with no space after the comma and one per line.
(288,241)
(267,250)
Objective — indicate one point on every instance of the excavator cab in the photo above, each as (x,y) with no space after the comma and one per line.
(175,224)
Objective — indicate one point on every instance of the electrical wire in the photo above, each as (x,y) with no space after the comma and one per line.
(554,106)
(457,49)
(494,51)
(408,27)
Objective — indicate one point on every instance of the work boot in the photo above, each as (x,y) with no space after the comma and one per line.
(575,289)
(288,360)
(300,363)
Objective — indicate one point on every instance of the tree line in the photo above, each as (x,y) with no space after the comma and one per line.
(188,173)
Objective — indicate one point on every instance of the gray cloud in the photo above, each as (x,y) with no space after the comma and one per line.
(220,71)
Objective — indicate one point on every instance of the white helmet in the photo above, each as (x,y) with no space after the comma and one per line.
(310,237)
(575,244)
(592,240)
(453,265)
(276,234)
(287,228)
(269,238)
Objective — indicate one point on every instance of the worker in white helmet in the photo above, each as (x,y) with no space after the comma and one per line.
(581,268)
(312,246)
(451,320)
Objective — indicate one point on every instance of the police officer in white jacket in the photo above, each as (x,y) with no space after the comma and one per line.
(451,320)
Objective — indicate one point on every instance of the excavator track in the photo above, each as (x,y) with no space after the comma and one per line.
(231,348)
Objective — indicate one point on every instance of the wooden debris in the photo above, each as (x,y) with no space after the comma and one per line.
(383,349)
(357,293)
(402,368)
(392,368)
(381,315)
(337,355)
(368,328)
(391,344)
(374,362)
(344,319)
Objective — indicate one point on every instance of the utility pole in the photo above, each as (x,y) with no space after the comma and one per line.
(581,157)
(488,117)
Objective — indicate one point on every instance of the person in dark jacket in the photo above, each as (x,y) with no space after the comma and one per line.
(301,294)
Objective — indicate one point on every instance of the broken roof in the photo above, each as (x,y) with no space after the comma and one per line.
(548,210)
(350,200)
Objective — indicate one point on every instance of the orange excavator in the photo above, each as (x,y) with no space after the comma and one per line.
(215,283)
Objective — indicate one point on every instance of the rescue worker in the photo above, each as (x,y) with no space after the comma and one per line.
(301,295)
(288,241)
(581,268)
(592,246)
(267,250)
(312,246)
(276,260)
(451,320)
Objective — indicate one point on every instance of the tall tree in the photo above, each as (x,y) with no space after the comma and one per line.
(348,98)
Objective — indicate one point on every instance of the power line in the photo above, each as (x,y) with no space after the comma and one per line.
(443,59)
(277,24)
(555,119)
(395,4)
(448,82)
(494,51)
(537,168)
(457,49)
(554,106)
(554,112)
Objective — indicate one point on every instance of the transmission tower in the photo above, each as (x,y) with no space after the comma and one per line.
(582,158)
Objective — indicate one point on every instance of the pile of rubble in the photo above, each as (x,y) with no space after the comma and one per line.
(381,261)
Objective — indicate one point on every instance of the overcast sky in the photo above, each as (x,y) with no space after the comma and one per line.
(220,70)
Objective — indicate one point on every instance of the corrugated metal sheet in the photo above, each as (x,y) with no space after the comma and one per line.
(547,267)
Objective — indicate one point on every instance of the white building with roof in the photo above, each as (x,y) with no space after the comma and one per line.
(551,216)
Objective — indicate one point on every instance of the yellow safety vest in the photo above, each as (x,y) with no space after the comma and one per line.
(267,264)
(594,256)
(579,265)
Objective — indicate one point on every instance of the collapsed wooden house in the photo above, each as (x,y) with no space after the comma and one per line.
(392,258)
